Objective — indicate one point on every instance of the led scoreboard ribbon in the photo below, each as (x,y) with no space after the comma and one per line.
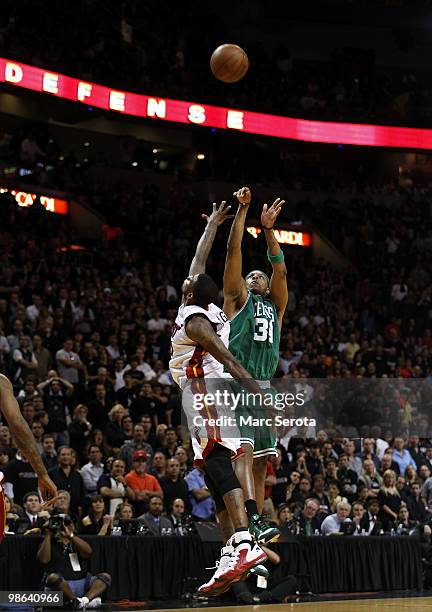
(192,113)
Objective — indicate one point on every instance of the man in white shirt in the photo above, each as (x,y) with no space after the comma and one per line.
(93,470)
(33,516)
(33,310)
(68,362)
(333,522)
(156,323)
(354,462)
(143,366)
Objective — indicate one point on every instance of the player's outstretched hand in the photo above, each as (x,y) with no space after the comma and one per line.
(219,215)
(269,215)
(48,490)
(243,195)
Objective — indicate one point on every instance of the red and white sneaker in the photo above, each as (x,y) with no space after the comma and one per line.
(238,557)
(215,586)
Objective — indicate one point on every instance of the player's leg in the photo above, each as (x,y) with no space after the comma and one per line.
(240,553)
(259,475)
(264,447)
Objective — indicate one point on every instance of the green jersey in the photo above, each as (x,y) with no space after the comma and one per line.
(255,336)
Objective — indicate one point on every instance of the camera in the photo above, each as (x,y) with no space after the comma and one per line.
(56,522)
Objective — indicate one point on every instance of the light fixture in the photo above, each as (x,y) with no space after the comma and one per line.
(155,151)
(134,164)
(200,156)
(86,144)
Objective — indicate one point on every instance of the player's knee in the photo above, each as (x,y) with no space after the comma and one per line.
(220,470)
(105,578)
(260,464)
(53,581)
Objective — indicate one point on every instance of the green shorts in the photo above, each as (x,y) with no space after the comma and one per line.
(256,424)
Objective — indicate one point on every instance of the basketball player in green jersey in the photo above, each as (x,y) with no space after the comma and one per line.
(255,306)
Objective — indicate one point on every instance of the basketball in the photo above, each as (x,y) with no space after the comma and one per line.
(229,63)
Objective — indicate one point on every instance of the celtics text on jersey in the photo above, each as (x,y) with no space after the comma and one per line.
(255,336)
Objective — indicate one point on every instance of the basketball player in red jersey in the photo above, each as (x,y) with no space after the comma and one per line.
(24,438)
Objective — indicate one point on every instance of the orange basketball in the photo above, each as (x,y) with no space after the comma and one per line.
(229,63)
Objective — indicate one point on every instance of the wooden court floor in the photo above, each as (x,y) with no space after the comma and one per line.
(411,604)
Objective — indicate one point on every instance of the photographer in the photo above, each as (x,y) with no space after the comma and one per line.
(65,556)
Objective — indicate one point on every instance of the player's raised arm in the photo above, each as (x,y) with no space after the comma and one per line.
(235,290)
(278,282)
(217,217)
(200,330)
(24,437)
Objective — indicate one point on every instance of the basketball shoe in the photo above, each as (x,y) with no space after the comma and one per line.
(238,556)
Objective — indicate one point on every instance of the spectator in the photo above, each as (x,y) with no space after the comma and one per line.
(200,499)
(33,516)
(370,522)
(42,356)
(99,408)
(369,453)
(69,480)
(318,493)
(299,462)
(358,511)
(96,522)
(333,523)
(127,427)
(97,437)
(415,504)
(137,443)
(159,465)
(62,503)
(293,488)
(303,492)
(284,515)
(183,459)
(401,455)
(93,470)
(370,477)
(405,526)
(153,519)
(79,430)
(170,444)
(387,463)
(347,478)
(38,433)
(307,522)
(389,500)
(354,462)
(178,518)
(69,363)
(56,393)
(114,488)
(49,454)
(25,361)
(20,478)
(334,495)
(173,485)
(142,484)
(113,431)
(314,460)
(124,512)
